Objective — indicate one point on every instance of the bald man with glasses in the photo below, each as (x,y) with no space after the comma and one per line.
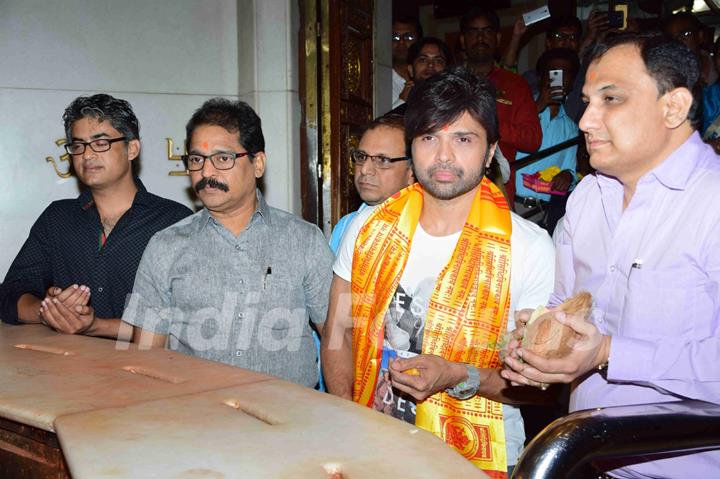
(382,167)
(77,266)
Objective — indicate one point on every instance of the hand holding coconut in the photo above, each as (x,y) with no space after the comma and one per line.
(556,346)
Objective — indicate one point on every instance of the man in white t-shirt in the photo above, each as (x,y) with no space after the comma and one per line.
(436,273)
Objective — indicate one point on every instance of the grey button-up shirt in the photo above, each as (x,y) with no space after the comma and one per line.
(245,300)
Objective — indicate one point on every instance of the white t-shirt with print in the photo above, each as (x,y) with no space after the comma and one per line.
(531,282)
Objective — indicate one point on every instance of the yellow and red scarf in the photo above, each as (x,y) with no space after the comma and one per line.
(466,316)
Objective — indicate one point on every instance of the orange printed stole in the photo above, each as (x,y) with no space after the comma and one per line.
(466,316)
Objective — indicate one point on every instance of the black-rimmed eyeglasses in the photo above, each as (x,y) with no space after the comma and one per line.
(221,161)
(98,146)
(359,157)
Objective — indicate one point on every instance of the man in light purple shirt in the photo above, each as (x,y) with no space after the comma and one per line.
(643,236)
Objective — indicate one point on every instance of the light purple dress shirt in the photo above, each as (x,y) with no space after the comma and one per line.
(654,272)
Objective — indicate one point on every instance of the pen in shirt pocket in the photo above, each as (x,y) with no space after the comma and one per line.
(268,272)
(637,264)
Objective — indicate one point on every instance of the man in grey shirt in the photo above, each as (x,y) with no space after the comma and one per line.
(239,281)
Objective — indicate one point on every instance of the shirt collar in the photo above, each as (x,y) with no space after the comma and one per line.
(494,70)
(675,171)
(142,197)
(205,218)
(262,212)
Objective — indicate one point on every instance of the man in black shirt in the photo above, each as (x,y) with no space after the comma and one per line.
(78,265)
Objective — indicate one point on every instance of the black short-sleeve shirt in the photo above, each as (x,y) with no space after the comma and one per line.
(65,248)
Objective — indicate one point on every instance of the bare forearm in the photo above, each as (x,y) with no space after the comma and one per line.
(510,58)
(146,339)
(495,388)
(338,367)
(113,328)
(336,344)
(28,309)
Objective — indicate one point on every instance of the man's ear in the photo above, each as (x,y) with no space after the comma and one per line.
(411,71)
(133,149)
(259,163)
(410,178)
(677,106)
(462,41)
(490,154)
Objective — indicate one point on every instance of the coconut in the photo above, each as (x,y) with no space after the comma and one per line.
(546,336)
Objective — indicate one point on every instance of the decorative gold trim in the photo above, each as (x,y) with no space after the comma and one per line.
(326,120)
(353,143)
(172,157)
(311,58)
(352,66)
(311,163)
(63,157)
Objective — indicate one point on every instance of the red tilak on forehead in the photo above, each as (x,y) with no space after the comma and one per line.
(446,127)
(205,145)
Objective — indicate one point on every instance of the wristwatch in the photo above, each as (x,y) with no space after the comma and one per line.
(469,387)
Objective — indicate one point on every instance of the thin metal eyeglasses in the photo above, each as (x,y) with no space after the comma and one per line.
(221,161)
(383,162)
(408,37)
(98,146)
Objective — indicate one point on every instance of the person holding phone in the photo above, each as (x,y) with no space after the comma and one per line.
(556,69)
(562,32)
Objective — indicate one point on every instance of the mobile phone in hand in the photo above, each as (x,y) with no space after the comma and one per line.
(617,16)
(557,87)
(537,15)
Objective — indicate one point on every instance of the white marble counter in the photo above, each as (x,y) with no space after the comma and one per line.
(120,412)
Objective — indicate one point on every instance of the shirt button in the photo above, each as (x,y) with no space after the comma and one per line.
(241,315)
(237,247)
(100,289)
(240,281)
(612,268)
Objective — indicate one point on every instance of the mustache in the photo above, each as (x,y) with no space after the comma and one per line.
(210,182)
(453,169)
(364,179)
